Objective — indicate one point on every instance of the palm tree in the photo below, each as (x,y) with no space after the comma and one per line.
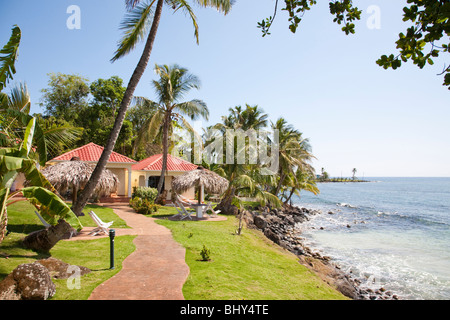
(294,153)
(174,82)
(48,137)
(25,139)
(245,179)
(302,180)
(135,26)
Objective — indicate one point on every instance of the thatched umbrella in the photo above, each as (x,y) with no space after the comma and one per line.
(74,174)
(204,179)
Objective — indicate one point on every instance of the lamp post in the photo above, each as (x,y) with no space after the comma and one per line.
(112,234)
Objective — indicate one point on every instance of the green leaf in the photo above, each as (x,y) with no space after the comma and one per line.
(8,57)
(28,138)
(51,207)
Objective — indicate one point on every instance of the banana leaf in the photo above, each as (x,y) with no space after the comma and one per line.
(51,207)
(41,193)
(8,57)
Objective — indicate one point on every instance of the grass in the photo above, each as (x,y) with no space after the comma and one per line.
(248,266)
(25,221)
(93,254)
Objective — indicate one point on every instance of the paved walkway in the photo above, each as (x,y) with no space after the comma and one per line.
(156,270)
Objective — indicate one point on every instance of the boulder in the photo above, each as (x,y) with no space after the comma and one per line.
(289,220)
(29,281)
(259,222)
(60,270)
(300,218)
(272,235)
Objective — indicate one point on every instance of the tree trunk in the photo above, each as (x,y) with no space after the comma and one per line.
(137,74)
(44,240)
(290,196)
(280,183)
(225,206)
(74,194)
(165,151)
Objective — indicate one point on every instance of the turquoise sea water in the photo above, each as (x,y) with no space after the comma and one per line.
(391,232)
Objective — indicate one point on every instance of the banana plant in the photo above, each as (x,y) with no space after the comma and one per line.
(40,193)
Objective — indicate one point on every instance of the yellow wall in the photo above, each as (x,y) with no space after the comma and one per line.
(140,178)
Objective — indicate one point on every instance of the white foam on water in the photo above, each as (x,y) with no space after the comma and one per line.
(392,261)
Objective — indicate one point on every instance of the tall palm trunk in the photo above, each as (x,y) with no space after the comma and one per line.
(280,183)
(165,151)
(290,196)
(137,74)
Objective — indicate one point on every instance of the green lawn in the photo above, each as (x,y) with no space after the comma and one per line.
(93,254)
(248,266)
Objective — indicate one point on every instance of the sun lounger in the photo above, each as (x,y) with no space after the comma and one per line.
(186,201)
(209,208)
(182,212)
(102,227)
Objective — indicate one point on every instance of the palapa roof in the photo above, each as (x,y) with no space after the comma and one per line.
(64,175)
(91,152)
(154,163)
(211,181)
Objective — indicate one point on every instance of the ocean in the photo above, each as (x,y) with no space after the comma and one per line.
(391,233)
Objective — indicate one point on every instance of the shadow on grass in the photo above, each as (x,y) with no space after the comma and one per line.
(161,216)
(24,228)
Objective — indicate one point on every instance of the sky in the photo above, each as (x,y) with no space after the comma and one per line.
(323,82)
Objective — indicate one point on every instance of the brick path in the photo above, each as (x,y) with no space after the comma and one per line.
(156,270)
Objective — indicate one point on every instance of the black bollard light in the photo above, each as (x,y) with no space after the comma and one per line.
(112,234)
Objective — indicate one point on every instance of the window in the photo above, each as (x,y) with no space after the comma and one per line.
(153,182)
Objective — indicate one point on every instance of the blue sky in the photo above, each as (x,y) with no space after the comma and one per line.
(327,84)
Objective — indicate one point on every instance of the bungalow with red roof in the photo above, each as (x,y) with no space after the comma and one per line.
(147,172)
(118,164)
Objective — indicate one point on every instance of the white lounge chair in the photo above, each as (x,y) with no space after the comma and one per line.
(182,212)
(102,227)
(45,223)
(186,201)
(209,208)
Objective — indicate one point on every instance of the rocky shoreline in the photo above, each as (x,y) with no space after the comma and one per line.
(278,225)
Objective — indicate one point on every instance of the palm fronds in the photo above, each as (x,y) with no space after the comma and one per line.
(221,5)
(135,26)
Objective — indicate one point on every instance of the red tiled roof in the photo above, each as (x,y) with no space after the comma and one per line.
(154,163)
(92,152)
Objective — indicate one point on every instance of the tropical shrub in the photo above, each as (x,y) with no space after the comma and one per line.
(144,206)
(147,193)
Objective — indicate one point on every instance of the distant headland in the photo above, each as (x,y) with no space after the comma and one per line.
(340,180)
(324,177)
